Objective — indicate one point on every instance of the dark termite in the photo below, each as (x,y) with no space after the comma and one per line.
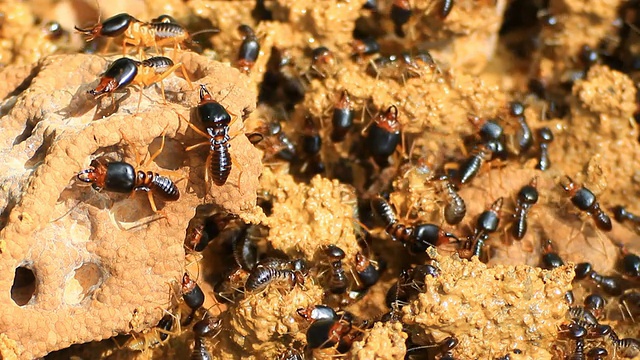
(527,197)
(338,280)
(455,209)
(217,121)
(342,119)
(383,136)
(585,200)
(545,137)
(118,176)
(470,167)
(208,327)
(418,238)
(249,49)
(400,14)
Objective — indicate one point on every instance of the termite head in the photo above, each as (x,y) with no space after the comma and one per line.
(112,27)
(119,74)
(96,175)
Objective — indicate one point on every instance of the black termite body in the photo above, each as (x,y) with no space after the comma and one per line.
(582,270)
(120,73)
(323,61)
(317,312)
(595,303)
(417,238)
(326,333)
(206,328)
(338,280)
(527,197)
(550,258)
(490,131)
(121,177)
(367,46)
(597,353)
(487,223)
(400,14)
(342,119)
(585,200)
(370,5)
(125,71)
(261,276)
(577,333)
(524,134)
(545,137)
(455,209)
(611,285)
(216,120)
(192,293)
(622,215)
(367,273)
(249,49)
(580,315)
(630,265)
(383,136)
(471,166)
(111,27)
(445,8)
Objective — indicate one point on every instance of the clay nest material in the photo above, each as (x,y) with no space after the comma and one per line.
(89,265)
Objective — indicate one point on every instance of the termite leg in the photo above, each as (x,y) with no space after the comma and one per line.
(194,128)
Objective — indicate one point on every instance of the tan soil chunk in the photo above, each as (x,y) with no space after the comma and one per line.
(492,310)
(93,277)
(384,341)
(259,322)
(306,218)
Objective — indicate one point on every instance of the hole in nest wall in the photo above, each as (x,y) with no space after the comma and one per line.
(84,282)
(173,155)
(24,286)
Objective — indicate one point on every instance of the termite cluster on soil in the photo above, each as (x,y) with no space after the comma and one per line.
(317,124)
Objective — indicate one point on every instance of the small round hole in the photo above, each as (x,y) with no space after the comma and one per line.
(85,280)
(172,156)
(24,286)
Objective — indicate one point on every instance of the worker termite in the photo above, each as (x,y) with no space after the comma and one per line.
(342,119)
(455,209)
(597,353)
(121,177)
(418,238)
(125,71)
(470,167)
(337,277)
(400,14)
(276,271)
(317,312)
(191,293)
(527,197)
(367,46)
(217,121)
(550,258)
(249,49)
(585,200)
(622,215)
(156,336)
(383,136)
(323,62)
(208,327)
(445,8)
(545,137)
(524,135)
(138,33)
(486,224)
(367,273)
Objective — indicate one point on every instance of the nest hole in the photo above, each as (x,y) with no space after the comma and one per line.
(24,286)
(172,156)
(85,280)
